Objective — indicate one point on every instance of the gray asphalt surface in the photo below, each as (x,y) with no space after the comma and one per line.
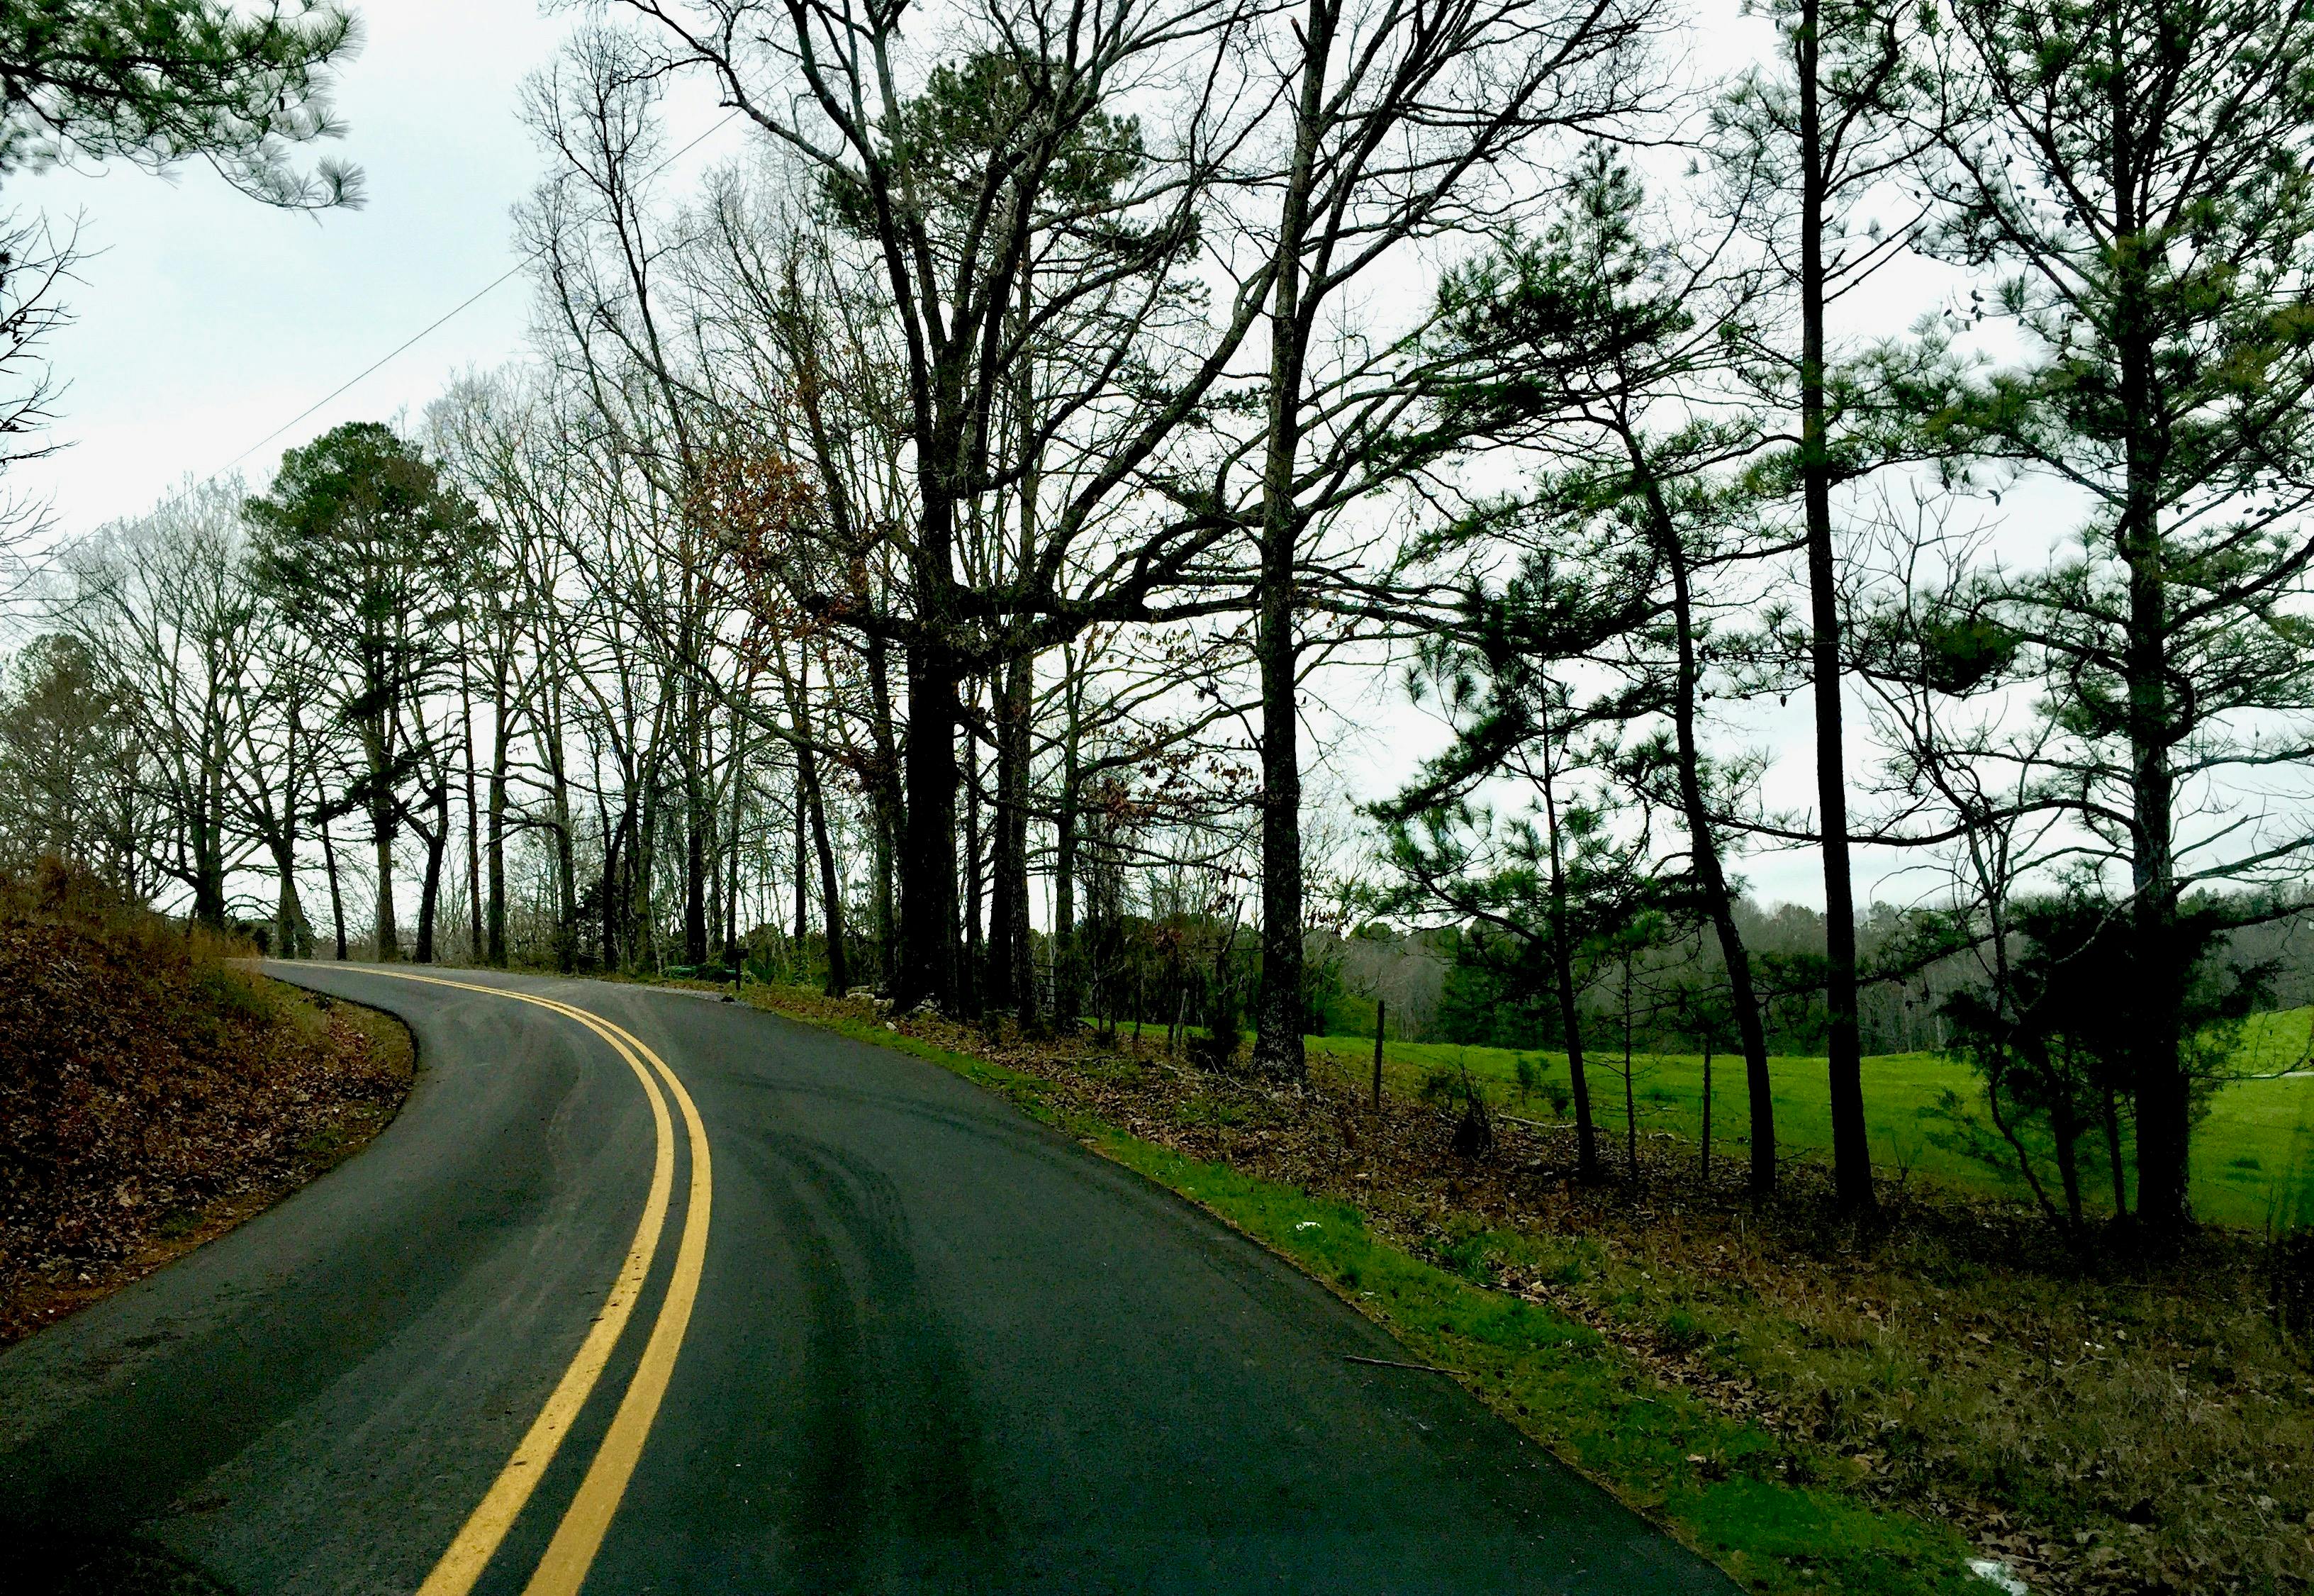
(937,1347)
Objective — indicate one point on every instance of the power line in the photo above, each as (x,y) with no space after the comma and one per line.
(362,376)
(358,378)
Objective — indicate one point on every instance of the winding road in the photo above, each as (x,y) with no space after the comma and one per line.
(646,1293)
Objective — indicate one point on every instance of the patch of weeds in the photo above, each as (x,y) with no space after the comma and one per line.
(1681,1330)
(1469,1257)
(323,1144)
(1202,1108)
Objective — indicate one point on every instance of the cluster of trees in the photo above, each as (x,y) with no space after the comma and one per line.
(960,494)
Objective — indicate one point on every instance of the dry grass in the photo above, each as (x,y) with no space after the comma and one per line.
(153,1094)
(2119,1421)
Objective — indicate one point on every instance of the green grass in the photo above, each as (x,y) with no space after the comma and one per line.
(1778,1515)
(2253,1156)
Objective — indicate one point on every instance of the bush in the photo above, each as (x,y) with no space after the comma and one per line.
(1224,1033)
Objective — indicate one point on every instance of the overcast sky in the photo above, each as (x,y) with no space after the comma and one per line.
(204,322)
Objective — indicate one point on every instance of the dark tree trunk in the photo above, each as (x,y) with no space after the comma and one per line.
(1068,986)
(1562,969)
(831,892)
(698,823)
(1703,843)
(1012,979)
(928,861)
(802,871)
(495,946)
(969,976)
(337,899)
(381,816)
(437,844)
(477,944)
(2065,1125)
(291,934)
(891,814)
(1851,1152)
(566,863)
(1278,1009)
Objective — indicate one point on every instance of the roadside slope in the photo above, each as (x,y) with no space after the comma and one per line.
(153,1094)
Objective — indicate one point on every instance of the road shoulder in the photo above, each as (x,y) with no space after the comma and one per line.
(1772,1513)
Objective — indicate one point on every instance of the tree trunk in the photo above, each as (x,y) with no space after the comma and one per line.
(2116,1170)
(1630,1092)
(2065,1125)
(831,890)
(337,900)
(928,862)
(1012,982)
(1851,1152)
(696,826)
(1068,989)
(1703,843)
(969,976)
(802,871)
(1562,969)
(891,814)
(1279,1016)
(731,876)
(293,936)
(381,816)
(437,844)
(494,948)
(476,935)
(566,863)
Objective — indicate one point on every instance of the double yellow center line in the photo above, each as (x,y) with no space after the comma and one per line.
(579,1536)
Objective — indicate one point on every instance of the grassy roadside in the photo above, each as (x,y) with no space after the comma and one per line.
(1780,1513)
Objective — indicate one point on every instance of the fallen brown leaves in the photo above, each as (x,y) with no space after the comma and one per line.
(153,1094)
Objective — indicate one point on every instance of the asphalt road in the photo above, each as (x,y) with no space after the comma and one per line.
(886,1334)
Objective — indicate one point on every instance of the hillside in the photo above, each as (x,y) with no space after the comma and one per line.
(152,1093)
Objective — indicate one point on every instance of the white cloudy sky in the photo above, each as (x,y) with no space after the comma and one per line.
(204,322)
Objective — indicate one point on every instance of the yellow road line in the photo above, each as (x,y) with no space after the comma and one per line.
(563,1569)
(579,1536)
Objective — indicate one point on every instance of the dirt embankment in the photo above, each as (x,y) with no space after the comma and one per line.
(153,1093)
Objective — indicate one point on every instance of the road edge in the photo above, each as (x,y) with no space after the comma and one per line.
(1702,1478)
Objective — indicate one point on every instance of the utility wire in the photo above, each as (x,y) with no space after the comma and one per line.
(358,378)
(400,349)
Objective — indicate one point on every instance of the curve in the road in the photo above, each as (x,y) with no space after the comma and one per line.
(580,1535)
(931,1345)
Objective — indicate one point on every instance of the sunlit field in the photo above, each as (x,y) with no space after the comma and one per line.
(2253,1153)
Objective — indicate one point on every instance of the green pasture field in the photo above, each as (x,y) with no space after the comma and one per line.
(2253,1154)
